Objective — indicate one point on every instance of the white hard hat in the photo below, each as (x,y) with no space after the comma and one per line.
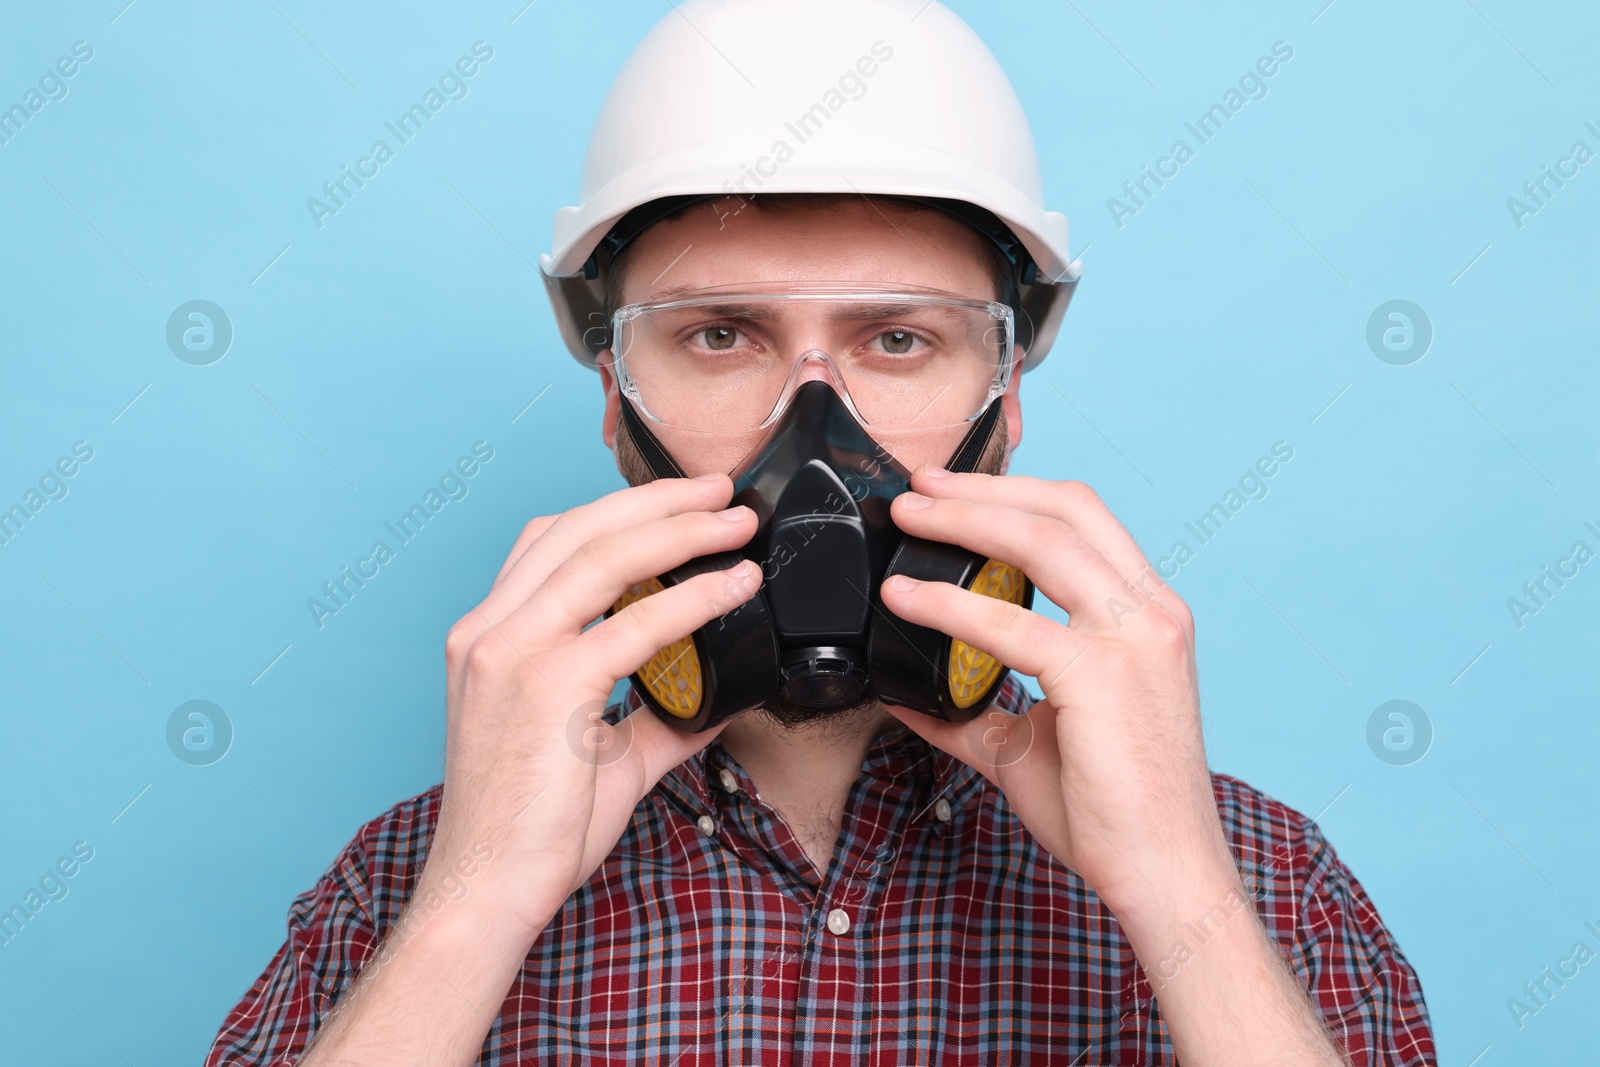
(888,97)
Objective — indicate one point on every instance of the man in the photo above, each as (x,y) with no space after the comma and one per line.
(824,876)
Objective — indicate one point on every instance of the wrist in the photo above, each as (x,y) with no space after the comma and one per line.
(1210,917)
(469,896)
(471,927)
(1188,877)
(1228,992)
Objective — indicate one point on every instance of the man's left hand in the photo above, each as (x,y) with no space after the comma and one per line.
(1113,782)
(1108,772)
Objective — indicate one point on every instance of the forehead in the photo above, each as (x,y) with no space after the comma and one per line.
(734,240)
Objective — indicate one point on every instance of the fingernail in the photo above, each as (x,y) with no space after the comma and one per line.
(933,470)
(901,584)
(915,501)
(734,514)
(713,476)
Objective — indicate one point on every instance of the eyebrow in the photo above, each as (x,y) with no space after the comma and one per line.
(750,312)
(889,311)
(762,311)
(669,293)
(850,310)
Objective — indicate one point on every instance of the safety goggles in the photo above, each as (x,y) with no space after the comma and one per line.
(727,359)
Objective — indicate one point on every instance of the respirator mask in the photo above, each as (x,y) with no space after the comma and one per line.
(813,387)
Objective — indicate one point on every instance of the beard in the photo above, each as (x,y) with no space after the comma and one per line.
(785,712)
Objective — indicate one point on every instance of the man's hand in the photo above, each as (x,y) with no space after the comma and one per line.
(1108,771)
(1115,783)
(525,682)
(525,799)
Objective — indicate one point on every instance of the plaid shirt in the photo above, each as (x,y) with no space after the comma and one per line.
(941,933)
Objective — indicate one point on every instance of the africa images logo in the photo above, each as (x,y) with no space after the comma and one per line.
(452,485)
(452,85)
(52,87)
(1252,85)
(810,122)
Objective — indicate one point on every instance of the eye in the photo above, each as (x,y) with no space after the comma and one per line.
(898,342)
(719,338)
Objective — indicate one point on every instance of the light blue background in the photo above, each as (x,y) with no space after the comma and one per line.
(1228,314)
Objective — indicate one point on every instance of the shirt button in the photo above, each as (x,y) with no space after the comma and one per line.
(941,810)
(729,782)
(707,825)
(838,921)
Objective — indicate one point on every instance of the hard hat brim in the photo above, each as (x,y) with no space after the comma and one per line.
(579,229)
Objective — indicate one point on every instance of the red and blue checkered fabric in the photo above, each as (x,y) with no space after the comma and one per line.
(966,943)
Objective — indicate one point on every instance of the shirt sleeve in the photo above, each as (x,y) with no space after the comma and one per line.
(331,935)
(1369,995)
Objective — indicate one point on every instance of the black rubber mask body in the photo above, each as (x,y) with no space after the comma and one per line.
(820,487)
(817,631)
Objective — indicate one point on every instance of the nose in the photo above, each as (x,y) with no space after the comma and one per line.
(815,365)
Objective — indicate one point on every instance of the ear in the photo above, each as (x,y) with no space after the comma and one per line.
(608,382)
(1011,410)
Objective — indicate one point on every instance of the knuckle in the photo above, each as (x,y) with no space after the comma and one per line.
(590,551)
(1166,630)
(1079,494)
(560,577)
(458,641)
(645,614)
(1005,617)
(1182,612)
(485,658)
(535,527)
(564,519)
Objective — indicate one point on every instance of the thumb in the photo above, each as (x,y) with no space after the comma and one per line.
(951,737)
(991,743)
(659,745)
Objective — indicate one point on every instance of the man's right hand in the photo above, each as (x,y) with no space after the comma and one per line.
(525,681)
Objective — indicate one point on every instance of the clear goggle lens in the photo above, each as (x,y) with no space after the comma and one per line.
(726,360)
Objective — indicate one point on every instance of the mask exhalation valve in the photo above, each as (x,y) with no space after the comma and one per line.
(823,677)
